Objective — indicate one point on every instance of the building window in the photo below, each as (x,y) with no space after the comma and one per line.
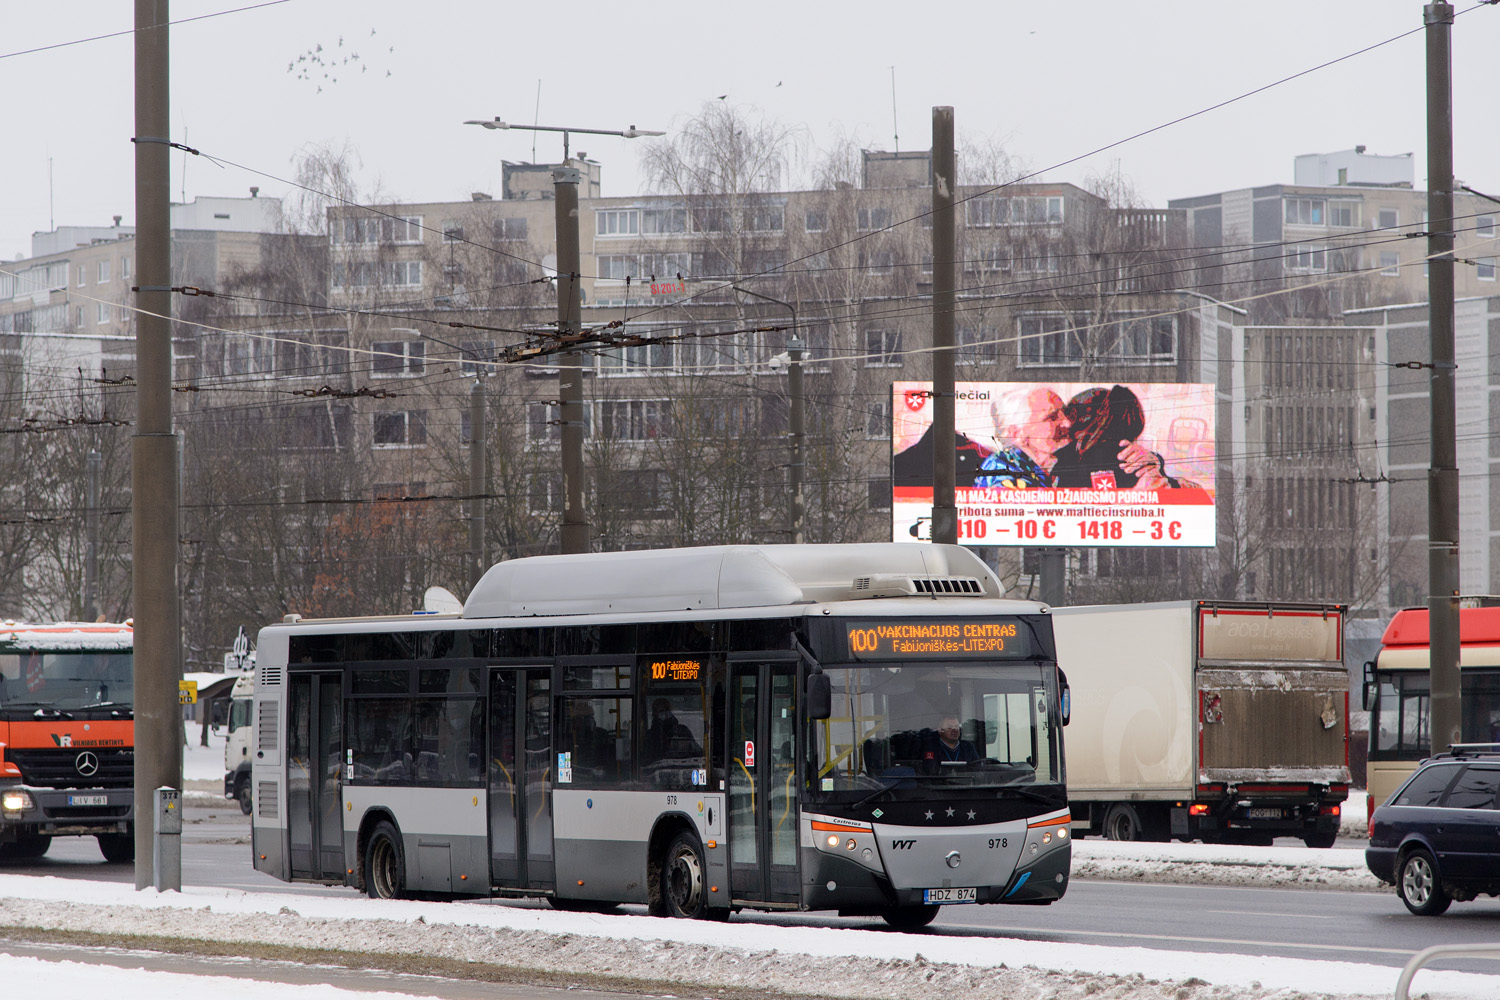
(1032,210)
(124,268)
(880,494)
(1485,268)
(1484,226)
(1304,211)
(80,316)
(977,345)
(882,348)
(401,429)
(1390,262)
(103,271)
(878,420)
(378,229)
(82,275)
(453,274)
(102,312)
(1343,213)
(397,358)
(618,266)
(635,419)
(1307,259)
(1149,339)
(1389,218)
(617,222)
(1047,340)
(453,231)
(642,491)
(765,219)
(544,422)
(511,229)
(365,273)
(873,218)
(877,261)
(664,221)
(815,220)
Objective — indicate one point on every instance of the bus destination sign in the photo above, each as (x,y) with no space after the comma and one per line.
(938,639)
(675,670)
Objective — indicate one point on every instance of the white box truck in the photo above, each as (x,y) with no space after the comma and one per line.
(1213,721)
(237,746)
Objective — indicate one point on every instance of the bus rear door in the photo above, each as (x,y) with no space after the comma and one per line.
(315,821)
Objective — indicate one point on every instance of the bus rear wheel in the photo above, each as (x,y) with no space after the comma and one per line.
(682,879)
(910,918)
(384,869)
(117,848)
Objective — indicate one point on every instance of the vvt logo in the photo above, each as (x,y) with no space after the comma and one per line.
(902,845)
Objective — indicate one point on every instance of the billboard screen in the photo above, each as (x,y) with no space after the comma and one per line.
(1062,463)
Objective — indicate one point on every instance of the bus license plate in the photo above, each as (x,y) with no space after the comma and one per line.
(1265,813)
(967,895)
(88,800)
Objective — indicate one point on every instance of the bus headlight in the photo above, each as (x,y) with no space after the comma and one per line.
(15,801)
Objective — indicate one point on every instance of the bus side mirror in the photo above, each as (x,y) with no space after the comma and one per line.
(819,696)
(1368,693)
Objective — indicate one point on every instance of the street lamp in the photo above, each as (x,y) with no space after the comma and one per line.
(575,525)
(794,390)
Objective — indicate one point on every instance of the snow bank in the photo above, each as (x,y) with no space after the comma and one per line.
(836,962)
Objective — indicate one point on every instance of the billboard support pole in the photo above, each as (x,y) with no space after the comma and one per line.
(944,244)
(1054,584)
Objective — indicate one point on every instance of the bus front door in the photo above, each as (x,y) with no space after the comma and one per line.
(519,778)
(763,783)
(315,818)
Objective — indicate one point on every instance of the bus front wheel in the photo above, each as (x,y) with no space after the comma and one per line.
(682,879)
(384,871)
(910,918)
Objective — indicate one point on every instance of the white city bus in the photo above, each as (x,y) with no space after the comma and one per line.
(862,728)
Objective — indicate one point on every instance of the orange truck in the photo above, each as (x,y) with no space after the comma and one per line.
(67,737)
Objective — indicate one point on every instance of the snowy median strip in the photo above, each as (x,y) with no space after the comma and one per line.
(743,954)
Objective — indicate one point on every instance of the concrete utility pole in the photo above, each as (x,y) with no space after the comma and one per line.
(575,522)
(565,178)
(478,453)
(1442,478)
(798,507)
(944,300)
(154,483)
(91,554)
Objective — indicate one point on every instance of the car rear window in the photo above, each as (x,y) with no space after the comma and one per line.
(1475,789)
(1426,786)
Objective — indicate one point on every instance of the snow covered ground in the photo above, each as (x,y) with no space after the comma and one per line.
(702,957)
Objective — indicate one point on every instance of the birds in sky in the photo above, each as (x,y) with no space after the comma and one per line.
(320,66)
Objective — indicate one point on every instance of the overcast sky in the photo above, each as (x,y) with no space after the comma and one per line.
(1049,82)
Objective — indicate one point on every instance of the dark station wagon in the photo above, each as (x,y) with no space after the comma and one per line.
(1438,837)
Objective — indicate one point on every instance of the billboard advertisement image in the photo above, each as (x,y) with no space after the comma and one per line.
(1061,463)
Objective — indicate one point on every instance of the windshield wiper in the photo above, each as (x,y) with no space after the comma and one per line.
(48,712)
(1030,793)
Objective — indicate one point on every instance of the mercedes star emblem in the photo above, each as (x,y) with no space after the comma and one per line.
(87,764)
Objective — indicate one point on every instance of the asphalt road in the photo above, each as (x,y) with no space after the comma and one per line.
(1322,925)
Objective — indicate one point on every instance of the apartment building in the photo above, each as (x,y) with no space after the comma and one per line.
(1347,234)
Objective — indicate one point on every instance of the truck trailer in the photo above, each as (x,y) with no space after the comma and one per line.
(1198,720)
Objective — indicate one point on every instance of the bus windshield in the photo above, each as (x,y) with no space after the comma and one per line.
(66,681)
(938,725)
